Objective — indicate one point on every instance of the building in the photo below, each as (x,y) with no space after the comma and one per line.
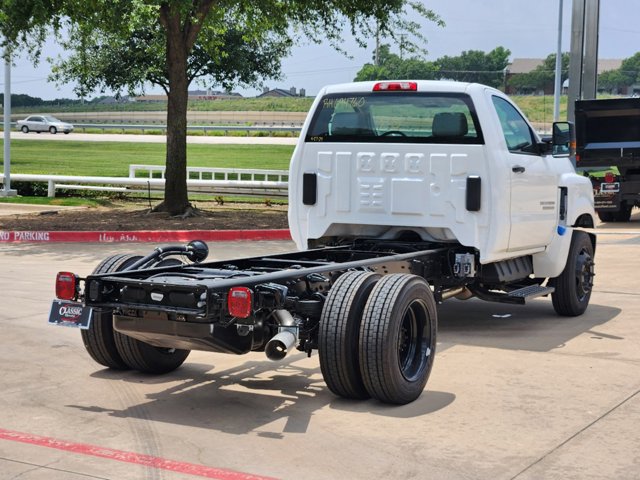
(521,66)
(280,93)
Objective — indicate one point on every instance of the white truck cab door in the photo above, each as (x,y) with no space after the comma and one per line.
(533,182)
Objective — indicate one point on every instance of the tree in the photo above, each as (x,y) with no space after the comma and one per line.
(543,75)
(391,66)
(475,66)
(628,74)
(126,44)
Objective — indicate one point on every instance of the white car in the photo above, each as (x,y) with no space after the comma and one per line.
(44,123)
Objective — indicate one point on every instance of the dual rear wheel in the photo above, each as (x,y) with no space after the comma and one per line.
(378,336)
(120,352)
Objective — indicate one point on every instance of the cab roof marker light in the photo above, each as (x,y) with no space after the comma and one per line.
(395,87)
(66,286)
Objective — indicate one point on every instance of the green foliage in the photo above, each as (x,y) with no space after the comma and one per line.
(475,66)
(30,189)
(542,76)
(628,74)
(392,66)
(470,66)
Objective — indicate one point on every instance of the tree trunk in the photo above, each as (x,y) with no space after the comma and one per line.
(176,200)
(181,37)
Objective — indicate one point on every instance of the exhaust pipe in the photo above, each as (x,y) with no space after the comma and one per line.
(278,347)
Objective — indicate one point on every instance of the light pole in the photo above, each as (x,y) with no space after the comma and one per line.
(6,191)
(558,83)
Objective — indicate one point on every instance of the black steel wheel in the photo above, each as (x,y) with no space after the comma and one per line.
(99,338)
(574,285)
(339,332)
(398,338)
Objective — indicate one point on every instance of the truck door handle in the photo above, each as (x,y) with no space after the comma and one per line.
(518,169)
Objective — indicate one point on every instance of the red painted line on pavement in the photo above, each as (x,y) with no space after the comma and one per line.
(143,236)
(128,457)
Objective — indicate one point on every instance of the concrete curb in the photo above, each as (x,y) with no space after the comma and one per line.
(12,236)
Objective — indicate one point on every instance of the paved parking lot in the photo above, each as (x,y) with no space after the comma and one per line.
(516,392)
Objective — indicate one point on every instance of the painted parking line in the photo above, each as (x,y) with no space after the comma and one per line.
(128,457)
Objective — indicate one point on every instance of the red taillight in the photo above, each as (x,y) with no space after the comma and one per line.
(239,302)
(66,286)
(609,177)
(395,87)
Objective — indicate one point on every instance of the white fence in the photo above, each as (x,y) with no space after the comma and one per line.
(206,173)
(216,181)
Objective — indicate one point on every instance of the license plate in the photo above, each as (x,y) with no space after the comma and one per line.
(70,314)
(610,187)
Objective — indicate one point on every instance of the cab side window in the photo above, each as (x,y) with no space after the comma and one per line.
(517,133)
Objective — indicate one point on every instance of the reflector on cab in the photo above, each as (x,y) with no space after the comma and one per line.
(239,302)
(395,87)
(66,286)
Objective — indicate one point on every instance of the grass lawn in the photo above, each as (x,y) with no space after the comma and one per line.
(63,201)
(113,158)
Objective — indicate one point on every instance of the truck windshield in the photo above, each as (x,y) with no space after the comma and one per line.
(395,118)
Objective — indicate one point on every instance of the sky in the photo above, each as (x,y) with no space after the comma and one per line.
(528,28)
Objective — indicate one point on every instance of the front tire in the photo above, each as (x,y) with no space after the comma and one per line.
(25,129)
(574,285)
(53,130)
(398,338)
(339,332)
(99,338)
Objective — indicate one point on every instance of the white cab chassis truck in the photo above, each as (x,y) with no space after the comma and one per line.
(402,194)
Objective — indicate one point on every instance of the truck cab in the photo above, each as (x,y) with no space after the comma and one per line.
(441,161)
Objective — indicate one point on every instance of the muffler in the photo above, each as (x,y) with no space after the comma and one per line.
(278,347)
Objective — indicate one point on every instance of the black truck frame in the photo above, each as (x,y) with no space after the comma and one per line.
(368,307)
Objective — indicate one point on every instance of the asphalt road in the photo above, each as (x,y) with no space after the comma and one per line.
(516,393)
(129,137)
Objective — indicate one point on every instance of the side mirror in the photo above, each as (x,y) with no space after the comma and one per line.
(563,140)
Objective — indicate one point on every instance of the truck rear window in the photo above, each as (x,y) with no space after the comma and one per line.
(395,118)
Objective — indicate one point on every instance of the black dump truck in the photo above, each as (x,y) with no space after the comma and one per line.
(608,152)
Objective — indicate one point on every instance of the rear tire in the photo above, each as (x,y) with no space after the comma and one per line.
(398,338)
(99,338)
(339,332)
(146,358)
(622,215)
(574,285)
(606,216)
